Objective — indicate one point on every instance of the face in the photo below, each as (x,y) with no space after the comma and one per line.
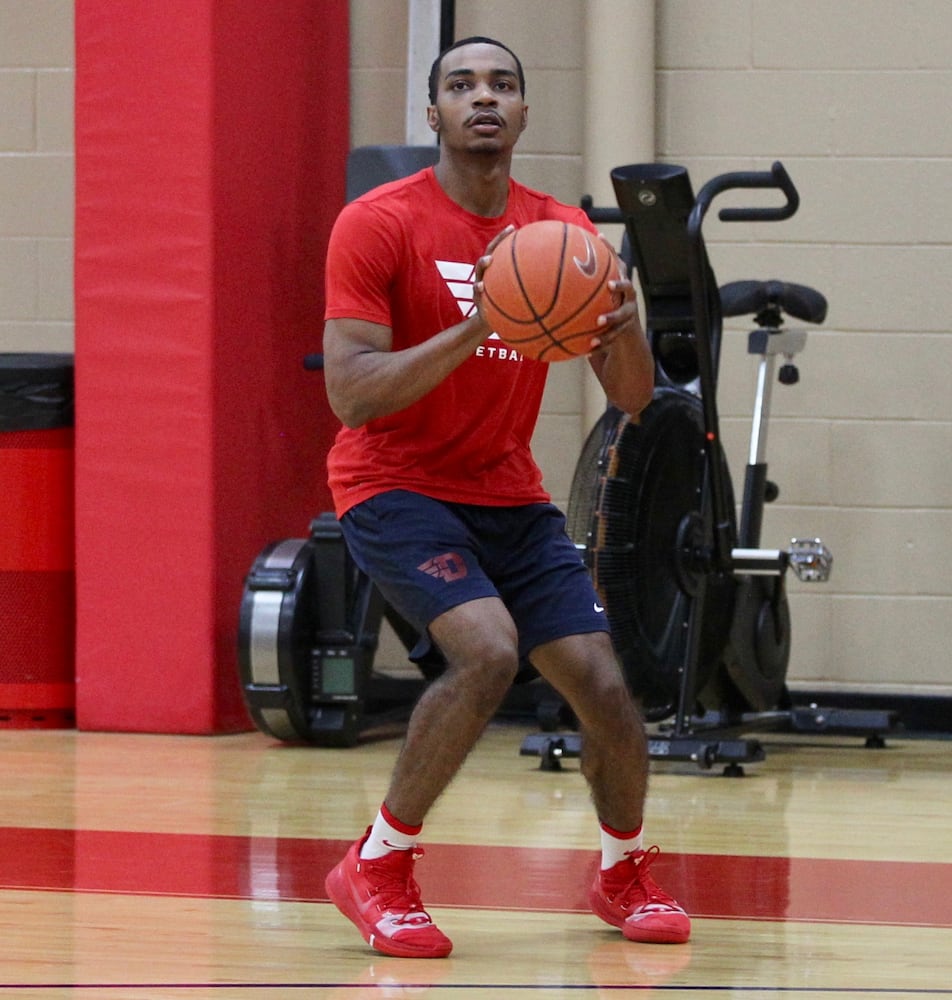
(479,105)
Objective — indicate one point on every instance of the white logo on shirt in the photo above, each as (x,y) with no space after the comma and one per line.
(459,280)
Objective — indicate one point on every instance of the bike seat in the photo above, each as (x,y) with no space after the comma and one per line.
(742,298)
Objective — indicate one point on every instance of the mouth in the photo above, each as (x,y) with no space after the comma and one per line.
(485,121)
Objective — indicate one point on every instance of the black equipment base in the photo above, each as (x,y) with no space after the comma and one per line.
(718,739)
(552,748)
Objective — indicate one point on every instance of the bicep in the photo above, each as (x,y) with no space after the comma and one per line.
(344,338)
(349,345)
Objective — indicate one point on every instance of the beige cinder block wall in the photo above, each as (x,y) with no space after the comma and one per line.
(36,175)
(852,96)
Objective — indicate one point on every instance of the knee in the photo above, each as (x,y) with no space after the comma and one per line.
(605,702)
(609,687)
(489,665)
(481,646)
(497,660)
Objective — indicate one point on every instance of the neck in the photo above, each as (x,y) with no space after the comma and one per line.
(481,186)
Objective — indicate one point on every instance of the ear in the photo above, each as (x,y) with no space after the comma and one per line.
(433,118)
(525,118)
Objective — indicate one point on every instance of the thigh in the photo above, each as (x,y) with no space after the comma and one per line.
(418,552)
(480,634)
(543,581)
(584,669)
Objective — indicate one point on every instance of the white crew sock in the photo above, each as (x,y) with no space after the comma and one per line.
(388,834)
(615,845)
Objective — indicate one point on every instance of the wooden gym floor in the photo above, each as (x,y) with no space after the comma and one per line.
(143,867)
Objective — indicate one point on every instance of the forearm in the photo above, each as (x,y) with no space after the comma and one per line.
(366,380)
(625,369)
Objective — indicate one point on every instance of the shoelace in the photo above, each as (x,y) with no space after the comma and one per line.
(397,890)
(641,883)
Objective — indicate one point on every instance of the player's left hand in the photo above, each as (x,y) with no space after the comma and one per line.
(624,319)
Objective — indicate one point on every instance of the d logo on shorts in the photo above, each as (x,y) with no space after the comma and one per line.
(447,567)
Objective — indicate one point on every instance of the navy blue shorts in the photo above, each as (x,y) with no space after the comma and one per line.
(427,556)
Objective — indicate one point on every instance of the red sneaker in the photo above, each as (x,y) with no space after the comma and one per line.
(626,896)
(381,898)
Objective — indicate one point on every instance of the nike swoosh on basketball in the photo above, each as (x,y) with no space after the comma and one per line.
(587,266)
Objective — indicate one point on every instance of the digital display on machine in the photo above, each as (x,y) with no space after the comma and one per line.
(337,675)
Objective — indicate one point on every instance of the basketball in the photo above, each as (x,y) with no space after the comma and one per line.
(545,288)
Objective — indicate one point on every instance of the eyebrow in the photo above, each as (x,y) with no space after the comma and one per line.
(511,74)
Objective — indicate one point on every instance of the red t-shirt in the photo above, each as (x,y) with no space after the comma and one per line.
(403,255)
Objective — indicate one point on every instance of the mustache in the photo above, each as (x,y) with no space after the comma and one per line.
(484,116)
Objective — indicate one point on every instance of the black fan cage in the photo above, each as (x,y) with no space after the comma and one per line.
(636,501)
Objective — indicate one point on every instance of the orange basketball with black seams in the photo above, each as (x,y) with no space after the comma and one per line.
(545,288)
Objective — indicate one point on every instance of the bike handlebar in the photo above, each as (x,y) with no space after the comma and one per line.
(701,291)
(776,177)
(609,215)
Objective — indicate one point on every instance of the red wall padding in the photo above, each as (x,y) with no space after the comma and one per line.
(211,144)
(37,580)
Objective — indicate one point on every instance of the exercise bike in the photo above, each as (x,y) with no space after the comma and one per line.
(698,609)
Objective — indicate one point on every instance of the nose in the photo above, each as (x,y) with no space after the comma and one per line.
(484,94)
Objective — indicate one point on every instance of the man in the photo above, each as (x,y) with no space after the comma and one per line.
(442,505)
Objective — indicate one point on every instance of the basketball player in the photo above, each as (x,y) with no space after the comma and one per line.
(442,505)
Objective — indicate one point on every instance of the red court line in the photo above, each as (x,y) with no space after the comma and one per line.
(501,878)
